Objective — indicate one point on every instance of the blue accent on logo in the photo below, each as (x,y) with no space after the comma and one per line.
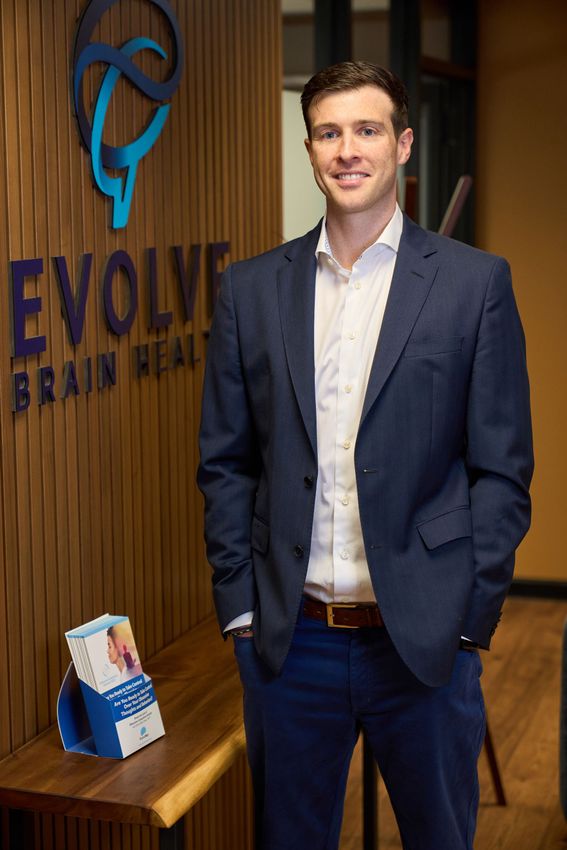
(143,731)
(119,63)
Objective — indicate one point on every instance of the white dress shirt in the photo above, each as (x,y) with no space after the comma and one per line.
(349,308)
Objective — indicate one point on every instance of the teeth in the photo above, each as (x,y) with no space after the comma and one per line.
(351,175)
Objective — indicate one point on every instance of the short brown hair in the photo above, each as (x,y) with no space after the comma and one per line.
(354,75)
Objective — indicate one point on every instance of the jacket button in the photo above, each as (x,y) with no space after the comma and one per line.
(298,551)
(308,481)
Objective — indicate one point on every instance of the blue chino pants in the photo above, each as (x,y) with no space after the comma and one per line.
(302,726)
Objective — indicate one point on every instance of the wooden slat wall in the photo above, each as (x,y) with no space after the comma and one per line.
(99,510)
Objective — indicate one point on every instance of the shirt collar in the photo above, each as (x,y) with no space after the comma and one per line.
(390,236)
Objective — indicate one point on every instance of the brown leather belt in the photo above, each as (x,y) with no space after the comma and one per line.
(343,615)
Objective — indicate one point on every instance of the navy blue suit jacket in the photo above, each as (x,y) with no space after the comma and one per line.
(443,454)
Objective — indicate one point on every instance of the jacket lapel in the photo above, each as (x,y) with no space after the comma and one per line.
(296,294)
(414,274)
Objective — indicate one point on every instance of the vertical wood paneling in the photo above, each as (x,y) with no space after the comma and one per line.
(7,482)
(99,509)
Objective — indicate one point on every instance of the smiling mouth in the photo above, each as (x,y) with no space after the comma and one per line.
(351,175)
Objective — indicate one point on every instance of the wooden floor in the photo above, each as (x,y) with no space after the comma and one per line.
(521,683)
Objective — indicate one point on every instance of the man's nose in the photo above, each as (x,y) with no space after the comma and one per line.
(348,148)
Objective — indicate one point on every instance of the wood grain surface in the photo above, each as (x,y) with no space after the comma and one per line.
(198,690)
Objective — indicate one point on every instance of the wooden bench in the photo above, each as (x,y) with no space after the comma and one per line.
(198,689)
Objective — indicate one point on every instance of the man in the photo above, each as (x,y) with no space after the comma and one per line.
(365,460)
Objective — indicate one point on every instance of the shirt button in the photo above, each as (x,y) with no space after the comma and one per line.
(357,285)
(346,444)
(345,499)
(348,388)
(344,555)
(352,335)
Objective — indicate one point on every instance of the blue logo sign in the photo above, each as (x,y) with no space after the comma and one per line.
(119,62)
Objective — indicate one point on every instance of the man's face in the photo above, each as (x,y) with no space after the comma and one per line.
(354,152)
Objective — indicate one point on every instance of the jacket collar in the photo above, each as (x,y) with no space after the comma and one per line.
(296,293)
(415,270)
(414,273)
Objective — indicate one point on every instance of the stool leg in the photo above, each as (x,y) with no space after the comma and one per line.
(494,769)
(369,798)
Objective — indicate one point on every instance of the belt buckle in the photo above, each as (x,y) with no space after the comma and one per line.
(330,614)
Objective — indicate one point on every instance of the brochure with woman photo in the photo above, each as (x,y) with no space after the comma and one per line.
(107,705)
(104,652)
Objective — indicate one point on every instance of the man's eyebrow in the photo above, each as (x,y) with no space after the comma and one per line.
(365,121)
(362,122)
(327,125)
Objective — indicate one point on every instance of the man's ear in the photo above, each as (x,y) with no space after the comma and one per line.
(405,141)
(307,143)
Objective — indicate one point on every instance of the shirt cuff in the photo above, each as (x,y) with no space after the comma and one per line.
(240,622)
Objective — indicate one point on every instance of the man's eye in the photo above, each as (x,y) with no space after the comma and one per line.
(329,134)
(368,131)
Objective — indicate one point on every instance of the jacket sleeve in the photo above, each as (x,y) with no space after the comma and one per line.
(229,464)
(499,455)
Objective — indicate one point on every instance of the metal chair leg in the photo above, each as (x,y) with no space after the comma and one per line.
(369,798)
(494,769)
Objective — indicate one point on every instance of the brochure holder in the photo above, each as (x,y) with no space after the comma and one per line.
(113,724)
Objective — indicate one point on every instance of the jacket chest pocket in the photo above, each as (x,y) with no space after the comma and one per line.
(430,347)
